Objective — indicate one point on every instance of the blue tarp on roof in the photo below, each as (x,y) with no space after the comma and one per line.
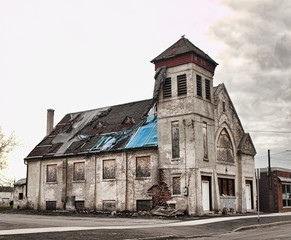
(146,135)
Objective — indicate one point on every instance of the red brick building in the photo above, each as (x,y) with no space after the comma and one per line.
(275,190)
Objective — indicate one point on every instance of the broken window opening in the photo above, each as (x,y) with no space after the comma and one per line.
(198,86)
(80,206)
(176,186)
(143,205)
(226,187)
(79,171)
(167,88)
(182,84)
(175,140)
(109,169)
(51,173)
(51,205)
(207,89)
(109,206)
(143,167)
(20,196)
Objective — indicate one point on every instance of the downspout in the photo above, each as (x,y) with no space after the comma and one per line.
(66,186)
(126,180)
(95,184)
(185,157)
(39,186)
(25,162)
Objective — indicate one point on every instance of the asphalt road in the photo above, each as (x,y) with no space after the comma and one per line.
(21,226)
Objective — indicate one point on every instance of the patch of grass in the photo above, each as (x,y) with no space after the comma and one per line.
(4,208)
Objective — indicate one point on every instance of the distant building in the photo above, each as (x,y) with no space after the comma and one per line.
(275,190)
(185,147)
(6,196)
(19,194)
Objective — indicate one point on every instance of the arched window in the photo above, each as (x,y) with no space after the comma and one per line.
(224,148)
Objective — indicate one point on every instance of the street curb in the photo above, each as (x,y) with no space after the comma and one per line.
(261,226)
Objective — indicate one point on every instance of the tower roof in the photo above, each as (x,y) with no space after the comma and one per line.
(182,46)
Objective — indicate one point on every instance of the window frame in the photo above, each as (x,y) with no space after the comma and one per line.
(74,172)
(226,187)
(208,89)
(286,193)
(175,139)
(103,165)
(199,86)
(48,180)
(176,193)
(167,88)
(137,172)
(182,85)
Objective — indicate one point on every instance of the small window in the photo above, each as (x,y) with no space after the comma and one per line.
(51,205)
(143,205)
(207,89)
(175,140)
(80,206)
(20,196)
(205,145)
(176,186)
(143,167)
(109,169)
(51,173)
(79,171)
(167,89)
(226,186)
(198,85)
(109,206)
(182,85)
(223,106)
(286,195)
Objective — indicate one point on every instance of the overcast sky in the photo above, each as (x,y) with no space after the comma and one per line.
(79,55)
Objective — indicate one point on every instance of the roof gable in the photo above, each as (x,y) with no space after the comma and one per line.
(246,145)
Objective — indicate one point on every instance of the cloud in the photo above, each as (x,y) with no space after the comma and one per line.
(255,65)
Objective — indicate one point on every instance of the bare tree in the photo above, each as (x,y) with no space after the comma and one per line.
(7,144)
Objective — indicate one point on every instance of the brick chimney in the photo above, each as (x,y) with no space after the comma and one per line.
(50,121)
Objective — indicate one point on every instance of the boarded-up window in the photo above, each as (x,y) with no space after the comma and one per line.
(143,205)
(80,206)
(143,167)
(109,206)
(51,173)
(198,86)
(205,145)
(79,171)
(207,89)
(224,148)
(167,89)
(182,84)
(176,186)
(175,140)
(109,169)
(51,205)
(226,186)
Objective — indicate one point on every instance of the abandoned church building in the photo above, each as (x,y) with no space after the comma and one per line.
(185,148)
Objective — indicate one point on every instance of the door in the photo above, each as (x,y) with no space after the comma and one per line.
(205,195)
(248,197)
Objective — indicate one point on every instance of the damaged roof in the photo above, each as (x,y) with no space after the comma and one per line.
(182,46)
(125,126)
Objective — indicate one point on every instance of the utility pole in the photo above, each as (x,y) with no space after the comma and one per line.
(269,169)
